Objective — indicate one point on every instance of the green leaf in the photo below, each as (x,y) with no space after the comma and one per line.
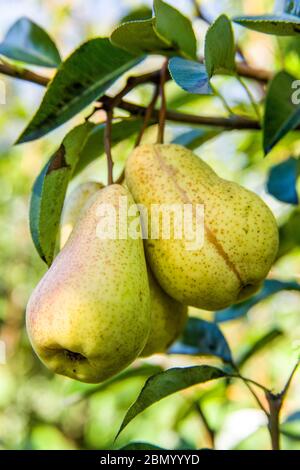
(279,25)
(202,338)
(27,42)
(220,48)
(281,114)
(94,144)
(196,137)
(258,346)
(140,13)
(269,288)
(145,370)
(80,80)
(176,28)
(291,426)
(289,234)
(140,37)
(49,191)
(141,446)
(168,382)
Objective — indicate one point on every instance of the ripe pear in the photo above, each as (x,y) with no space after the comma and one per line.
(240,235)
(73,207)
(89,317)
(168,318)
(167,315)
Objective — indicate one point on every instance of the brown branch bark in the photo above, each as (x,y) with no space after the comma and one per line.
(231,123)
(174,116)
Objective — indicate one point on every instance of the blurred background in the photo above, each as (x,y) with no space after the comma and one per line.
(42,411)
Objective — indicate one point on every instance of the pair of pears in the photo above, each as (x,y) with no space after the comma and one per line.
(99,306)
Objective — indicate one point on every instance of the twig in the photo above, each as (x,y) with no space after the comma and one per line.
(250,96)
(247,382)
(148,115)
(275,405)
(234,122)
(107,145)
(23,74)
(163,106)
(289,382)
(231,123)
(209,430)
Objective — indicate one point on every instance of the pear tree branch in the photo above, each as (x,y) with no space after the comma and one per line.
(233,122)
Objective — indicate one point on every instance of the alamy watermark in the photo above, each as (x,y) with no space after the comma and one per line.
(162,221)
(296,94)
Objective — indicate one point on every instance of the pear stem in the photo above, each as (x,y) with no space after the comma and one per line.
(163,107)
(148,115)
(107,145)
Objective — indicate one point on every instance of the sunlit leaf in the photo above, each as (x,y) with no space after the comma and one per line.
(49,191)
(279,25)
(220,48)
(140,13)
(202,338)
(269,288)
(282,181)
(191,76)
(27,42)
(166,383)
(140,37)
(258,345)
(80,80)
(176,28)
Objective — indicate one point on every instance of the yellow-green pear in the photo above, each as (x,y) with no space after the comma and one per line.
(73,207)
(167,315)
(89,317)
(168,318)
(217,255)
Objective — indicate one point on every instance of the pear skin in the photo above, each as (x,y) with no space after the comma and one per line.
(240,232)
(73,207)
(89,317)
(168,318)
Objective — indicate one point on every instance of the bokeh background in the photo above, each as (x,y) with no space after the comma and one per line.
(42,411)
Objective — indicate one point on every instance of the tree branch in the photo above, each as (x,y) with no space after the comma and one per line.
(231,123)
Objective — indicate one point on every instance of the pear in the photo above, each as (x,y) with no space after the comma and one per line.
(167,315)
(89,317)
(168,318)
(239,240)
(73,207)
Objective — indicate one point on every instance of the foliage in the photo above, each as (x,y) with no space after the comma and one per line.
(31,411)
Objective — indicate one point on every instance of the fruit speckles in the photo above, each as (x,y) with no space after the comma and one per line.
(92,308)
(241,236)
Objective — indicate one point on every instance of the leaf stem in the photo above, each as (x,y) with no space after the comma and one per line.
(163,106)
(250,96)
(209,430)
(107,145)
(148,115)
(221,97)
